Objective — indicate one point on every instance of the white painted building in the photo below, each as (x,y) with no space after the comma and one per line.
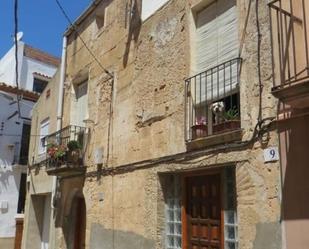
(35,68)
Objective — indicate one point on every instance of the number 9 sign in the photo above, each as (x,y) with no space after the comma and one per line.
(271,154)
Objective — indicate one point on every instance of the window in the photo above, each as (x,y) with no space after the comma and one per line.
(43,132)
(212,94)
(80,105)
(81,90)
(25,139)
(100,19)
(216,35)
(173,217)
(150,6)
(230,214)
(22,194)
(39,85)
(101,14)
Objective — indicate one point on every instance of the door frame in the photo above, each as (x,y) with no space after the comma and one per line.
(184,219)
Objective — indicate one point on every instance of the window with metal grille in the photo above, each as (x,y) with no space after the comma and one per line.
(212,102)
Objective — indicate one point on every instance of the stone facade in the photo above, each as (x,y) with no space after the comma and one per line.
(137,119)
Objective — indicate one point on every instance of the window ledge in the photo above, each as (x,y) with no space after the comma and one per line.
(223,138)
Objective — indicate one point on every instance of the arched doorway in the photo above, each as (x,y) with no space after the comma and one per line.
(80,223)
(76,223)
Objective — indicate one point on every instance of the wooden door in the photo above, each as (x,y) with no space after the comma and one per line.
(80,226)
(203,212)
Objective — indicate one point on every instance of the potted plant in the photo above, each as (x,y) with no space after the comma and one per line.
(74,151)
(56,152)
(200,128)
(231,121)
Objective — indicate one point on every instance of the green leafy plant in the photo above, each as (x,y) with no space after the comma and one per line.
(74,145)
(231,114)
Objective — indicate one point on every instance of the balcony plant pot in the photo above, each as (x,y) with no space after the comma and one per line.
(74,152)
(55,162)
(199,130)
(74,156)
(226,126)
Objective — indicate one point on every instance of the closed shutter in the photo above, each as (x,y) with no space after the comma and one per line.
(81,105)
(216,43)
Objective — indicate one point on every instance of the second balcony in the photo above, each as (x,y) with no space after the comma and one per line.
(65,151)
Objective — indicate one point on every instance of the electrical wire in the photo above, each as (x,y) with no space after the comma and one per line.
(259,59)
(17,135)
(16,53)
(82,40)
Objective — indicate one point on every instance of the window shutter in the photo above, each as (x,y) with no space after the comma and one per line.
(81,105)
(216,43)
(207,39)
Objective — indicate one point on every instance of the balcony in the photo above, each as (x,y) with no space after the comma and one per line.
(65,151)
(289,35)
(212,107)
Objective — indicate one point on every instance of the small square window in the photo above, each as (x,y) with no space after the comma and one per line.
(39,85)
(100,19)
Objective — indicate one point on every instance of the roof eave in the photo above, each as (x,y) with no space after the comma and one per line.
(82,17)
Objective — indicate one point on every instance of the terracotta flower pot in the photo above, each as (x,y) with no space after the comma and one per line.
(199,131)
(73,156)
(226,126)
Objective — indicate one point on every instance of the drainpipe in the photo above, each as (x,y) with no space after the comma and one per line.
(60,106)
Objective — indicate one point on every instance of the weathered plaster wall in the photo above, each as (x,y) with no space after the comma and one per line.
(150,61)
(133,205)
(46,107)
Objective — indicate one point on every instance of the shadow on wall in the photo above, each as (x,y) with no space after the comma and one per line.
(71,218)
(296,178)
(5,174)
(101,238)
(134,22)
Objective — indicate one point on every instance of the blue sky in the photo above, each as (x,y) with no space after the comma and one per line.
(41,22)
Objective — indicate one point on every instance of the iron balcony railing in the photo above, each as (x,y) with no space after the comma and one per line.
(66,147)
(289,36)
(212,101)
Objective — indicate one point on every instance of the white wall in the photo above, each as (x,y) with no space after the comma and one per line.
(27,67)
(151,6)
(12,131)
(30,66)
(9,191)
(7,65)
(9,173)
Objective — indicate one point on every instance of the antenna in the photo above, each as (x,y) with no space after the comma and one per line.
(19,36)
